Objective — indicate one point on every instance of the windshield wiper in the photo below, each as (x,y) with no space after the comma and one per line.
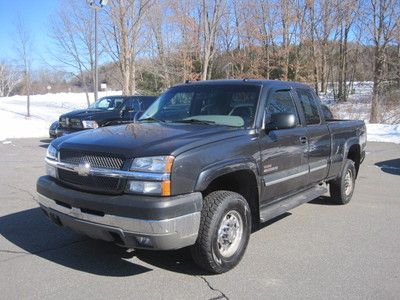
(151,119)
(194,121)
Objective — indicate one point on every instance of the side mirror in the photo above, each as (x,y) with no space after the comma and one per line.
(278,121)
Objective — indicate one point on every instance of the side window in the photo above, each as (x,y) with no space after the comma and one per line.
(309,106)
(132,104)
(327,113)
(282,102)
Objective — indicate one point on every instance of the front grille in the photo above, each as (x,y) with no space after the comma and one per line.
(70,123)
(75,123)
(91,183)
(96,160)
(63,122)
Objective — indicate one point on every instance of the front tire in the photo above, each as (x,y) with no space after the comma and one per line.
(224,232)
(342,188)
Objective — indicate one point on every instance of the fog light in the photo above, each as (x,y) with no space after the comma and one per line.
(161,188)
(145,187)
(51,171)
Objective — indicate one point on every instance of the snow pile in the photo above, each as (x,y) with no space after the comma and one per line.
(45,109)
(383,133)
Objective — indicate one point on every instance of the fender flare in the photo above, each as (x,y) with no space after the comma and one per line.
(211,172)
(347,145)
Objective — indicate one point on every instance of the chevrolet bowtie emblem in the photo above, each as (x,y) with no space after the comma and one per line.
(83,169)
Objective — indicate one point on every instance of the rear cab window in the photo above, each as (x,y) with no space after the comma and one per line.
(309,106)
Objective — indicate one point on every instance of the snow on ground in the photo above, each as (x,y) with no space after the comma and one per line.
(358,107)
(45,109)
(383,133)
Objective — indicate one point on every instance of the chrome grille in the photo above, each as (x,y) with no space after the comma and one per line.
(91,183)
(63,122)
(96,160)
(75,123)
(70,122)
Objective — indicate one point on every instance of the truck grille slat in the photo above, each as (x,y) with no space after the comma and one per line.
(97,160)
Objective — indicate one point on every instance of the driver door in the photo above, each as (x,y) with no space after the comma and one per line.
(283,151)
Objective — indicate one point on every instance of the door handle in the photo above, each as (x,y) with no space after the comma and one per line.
(303,140)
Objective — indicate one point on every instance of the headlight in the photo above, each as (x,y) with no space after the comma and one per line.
(156,164)
(90,124)
(52,152)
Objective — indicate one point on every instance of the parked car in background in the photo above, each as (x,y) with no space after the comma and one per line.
(106,111)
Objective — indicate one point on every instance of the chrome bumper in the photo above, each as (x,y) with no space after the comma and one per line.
(167,234)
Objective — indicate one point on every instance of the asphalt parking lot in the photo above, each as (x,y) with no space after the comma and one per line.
(317,250)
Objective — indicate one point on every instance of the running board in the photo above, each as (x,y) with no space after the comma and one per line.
(280,207)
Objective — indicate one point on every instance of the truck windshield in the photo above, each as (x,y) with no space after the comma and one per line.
(230,105)
(107,103)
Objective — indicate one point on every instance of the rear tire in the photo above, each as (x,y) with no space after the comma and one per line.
(224,232)
(342,188)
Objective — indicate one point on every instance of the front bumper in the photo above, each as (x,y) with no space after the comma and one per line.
(133,221)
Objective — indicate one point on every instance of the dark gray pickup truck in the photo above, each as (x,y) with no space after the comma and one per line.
(205,165)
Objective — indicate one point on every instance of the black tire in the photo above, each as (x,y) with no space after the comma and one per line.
(222,206)
(339,188)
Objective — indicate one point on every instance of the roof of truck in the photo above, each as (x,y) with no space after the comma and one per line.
(264,82)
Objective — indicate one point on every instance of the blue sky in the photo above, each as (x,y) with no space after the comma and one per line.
(35,14)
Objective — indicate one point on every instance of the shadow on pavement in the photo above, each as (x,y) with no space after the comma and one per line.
(391,166)
(45,143)
(31,231)
(323,200)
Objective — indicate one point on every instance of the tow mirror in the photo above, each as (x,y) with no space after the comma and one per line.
(277,121)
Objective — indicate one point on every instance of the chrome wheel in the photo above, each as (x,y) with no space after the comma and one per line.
(348,182)
(230,233)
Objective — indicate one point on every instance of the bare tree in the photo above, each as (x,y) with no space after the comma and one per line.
(23,46)
(9,78)
(157,23)
(384,17)
(323,32)
(125,24)
(211,11)
(73,35)
(347,14)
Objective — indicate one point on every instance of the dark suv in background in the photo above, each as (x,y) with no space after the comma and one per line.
(109,110)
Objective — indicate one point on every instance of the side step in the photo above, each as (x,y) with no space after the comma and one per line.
(276,209)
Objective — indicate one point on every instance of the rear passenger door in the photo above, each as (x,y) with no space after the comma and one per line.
(318,136)
(283,151)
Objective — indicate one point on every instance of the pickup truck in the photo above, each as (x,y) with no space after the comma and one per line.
(204,166)
(106,111)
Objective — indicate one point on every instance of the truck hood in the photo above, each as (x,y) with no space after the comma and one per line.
(89,114)
(146,139)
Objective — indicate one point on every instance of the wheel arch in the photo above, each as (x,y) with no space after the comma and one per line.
(240,176)
(353,152)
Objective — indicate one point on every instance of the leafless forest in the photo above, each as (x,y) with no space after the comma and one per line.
(149,45)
